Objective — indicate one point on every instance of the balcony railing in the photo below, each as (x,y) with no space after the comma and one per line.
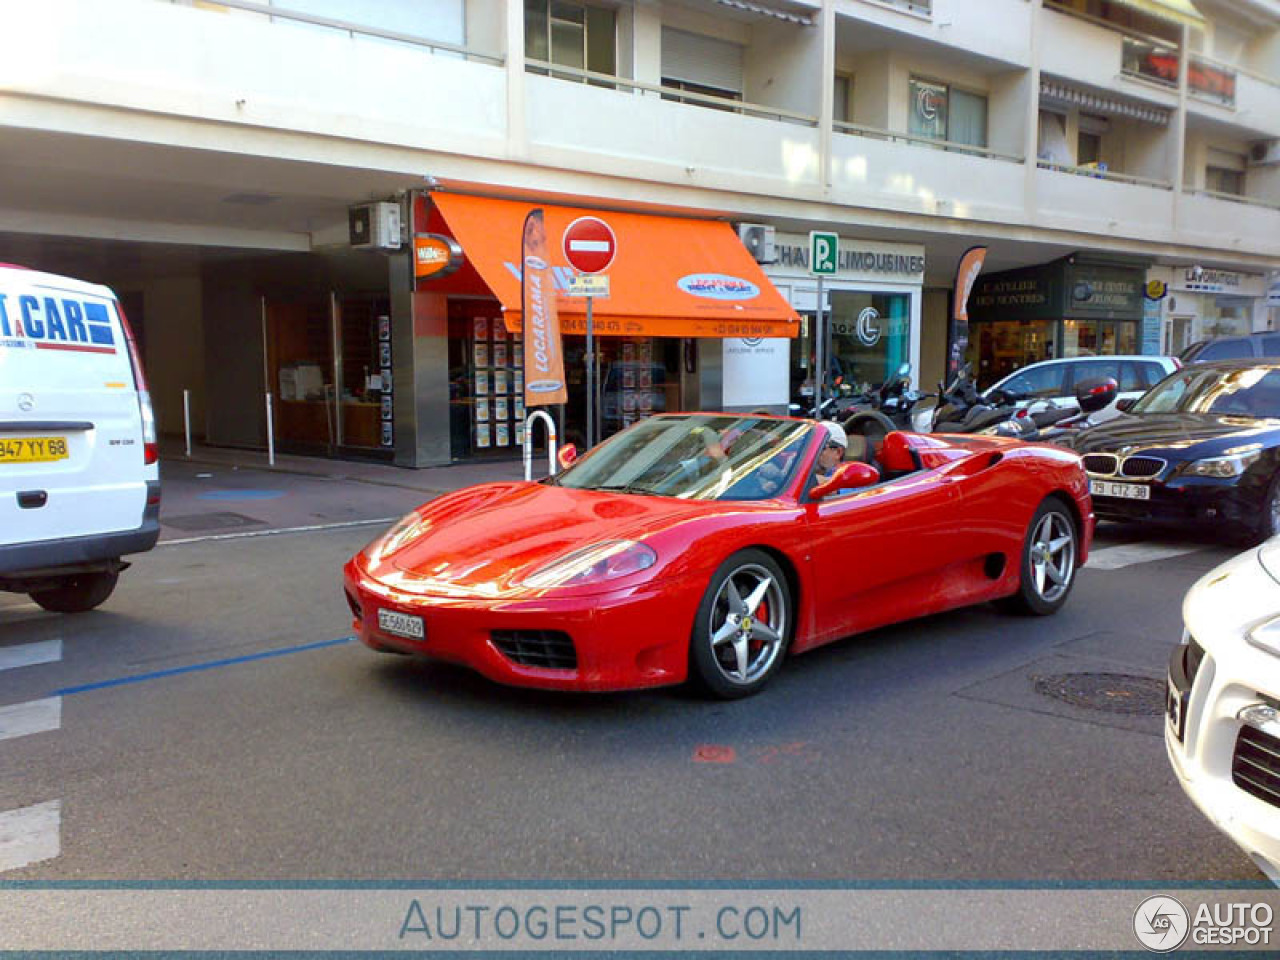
(1234,198)
(875,133)
(1212,81)
(1102,173)
(671,93)
(1151,61)
(359,29)
(923,8)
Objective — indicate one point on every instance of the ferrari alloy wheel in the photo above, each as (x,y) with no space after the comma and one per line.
(1048,560)
(743,626)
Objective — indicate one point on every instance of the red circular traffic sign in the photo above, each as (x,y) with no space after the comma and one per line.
(589,245)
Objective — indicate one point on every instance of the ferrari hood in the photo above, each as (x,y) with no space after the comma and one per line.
(488,538)
(1169,431)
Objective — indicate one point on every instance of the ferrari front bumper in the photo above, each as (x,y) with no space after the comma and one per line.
(621,640)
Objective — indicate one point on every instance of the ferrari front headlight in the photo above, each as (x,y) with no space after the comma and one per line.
(1231,465)
(405,529)
(607,560)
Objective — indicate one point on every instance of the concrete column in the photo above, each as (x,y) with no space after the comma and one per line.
(1031,136)
(1180,128)
(826,109)
(517,136)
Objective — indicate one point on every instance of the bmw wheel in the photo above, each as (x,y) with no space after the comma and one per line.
(1048,567)
(743,626)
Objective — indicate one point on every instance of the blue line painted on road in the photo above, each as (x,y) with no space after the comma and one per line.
(211,665)
(241,495)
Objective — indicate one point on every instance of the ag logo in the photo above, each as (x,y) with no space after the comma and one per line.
(1161,924)
(869,328)
(753,342)
(26,402)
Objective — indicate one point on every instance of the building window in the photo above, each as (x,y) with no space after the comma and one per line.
(700,64)
(843,100)
(1223,180)
(574,35)
(940,112)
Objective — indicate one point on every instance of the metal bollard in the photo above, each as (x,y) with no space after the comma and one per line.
(186,418)
(528,443)
(271,433)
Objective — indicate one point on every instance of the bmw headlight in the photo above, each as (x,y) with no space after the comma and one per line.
(1233,464)
(1266,636)
(607,560)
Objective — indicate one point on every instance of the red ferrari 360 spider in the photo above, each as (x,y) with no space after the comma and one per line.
(710,546)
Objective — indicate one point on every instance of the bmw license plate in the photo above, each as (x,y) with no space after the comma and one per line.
(32,449)
(401,624)
(1123,491)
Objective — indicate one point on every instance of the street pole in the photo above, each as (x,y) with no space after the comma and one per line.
(591,377)
(819,352)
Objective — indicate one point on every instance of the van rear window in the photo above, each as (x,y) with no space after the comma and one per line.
(60,337)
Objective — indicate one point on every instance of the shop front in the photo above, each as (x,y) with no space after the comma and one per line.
(1079,306)
(678,289)
(1201,303)
(872,304)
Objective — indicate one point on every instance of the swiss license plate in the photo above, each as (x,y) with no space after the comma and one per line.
(1176,709)
(401,624)
(32,449)
(1124,491)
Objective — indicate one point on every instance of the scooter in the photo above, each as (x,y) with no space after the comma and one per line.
(962,409)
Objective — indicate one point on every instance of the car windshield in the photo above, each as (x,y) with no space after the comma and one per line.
(1245,392)
(696,457)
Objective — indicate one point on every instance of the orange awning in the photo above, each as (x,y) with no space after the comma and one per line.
(671,277)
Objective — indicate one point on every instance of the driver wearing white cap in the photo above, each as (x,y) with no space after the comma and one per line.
(832,452)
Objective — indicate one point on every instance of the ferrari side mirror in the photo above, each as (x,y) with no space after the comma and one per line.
(848,476)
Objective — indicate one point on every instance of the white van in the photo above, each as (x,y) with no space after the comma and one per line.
(79,479)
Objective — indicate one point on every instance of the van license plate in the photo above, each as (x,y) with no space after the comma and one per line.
(401,624)
(1125,491)
(32,449)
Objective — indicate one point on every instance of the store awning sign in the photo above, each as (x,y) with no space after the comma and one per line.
(435,255)
(669,277)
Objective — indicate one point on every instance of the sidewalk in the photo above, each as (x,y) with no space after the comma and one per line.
(220,492)
(430,480)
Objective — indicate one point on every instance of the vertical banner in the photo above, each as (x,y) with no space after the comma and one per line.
(543,355)
(967,271)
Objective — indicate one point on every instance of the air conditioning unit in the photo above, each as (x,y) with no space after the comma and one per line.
(758,238)
(1263,153)
(374,226)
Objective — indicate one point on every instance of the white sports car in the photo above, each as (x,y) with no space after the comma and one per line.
(1222,727)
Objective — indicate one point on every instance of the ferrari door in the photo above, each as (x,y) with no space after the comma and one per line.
(874,554)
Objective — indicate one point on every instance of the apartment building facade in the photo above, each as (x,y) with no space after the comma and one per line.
(251,176)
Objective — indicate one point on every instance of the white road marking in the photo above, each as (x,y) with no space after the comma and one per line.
(30,834)
(271,533)
(1127,554)
(35,716)
(30,654)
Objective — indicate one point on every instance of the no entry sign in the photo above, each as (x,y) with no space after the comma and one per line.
(589,245)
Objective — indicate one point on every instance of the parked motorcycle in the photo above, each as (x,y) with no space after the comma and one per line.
(963,409)
(1091,395)
(889,407)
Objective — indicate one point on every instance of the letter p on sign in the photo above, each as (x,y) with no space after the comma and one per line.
(824,251)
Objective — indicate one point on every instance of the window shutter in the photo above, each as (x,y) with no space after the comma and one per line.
(706,61)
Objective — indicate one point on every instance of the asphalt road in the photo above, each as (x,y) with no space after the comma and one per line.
(918,752)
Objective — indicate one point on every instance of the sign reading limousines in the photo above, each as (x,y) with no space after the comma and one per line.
(543,357)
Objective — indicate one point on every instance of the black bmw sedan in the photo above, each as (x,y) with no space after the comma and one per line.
(1201,446)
